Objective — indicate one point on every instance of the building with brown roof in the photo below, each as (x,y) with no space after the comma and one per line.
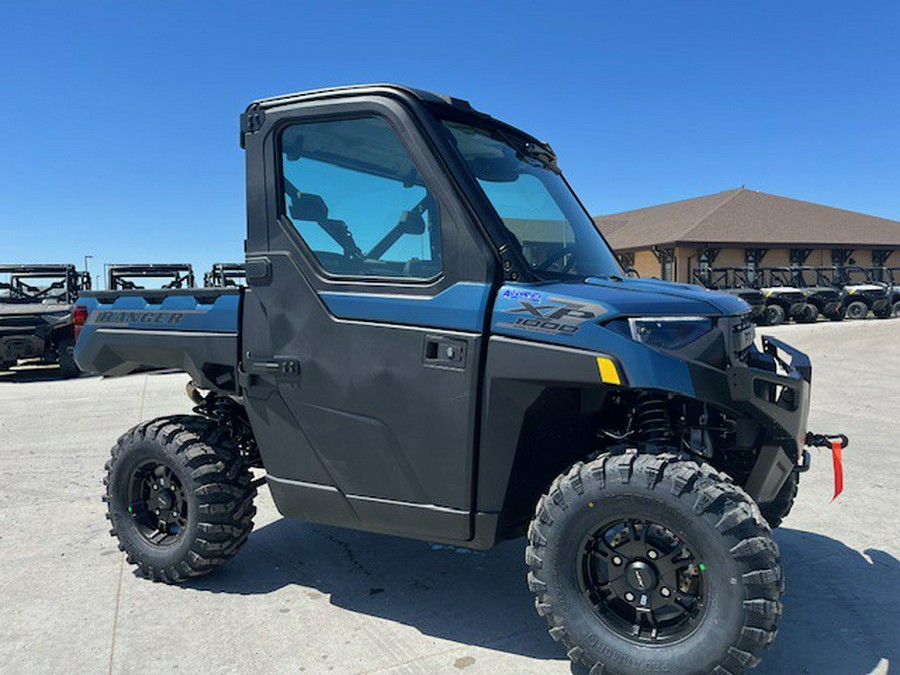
(741,227)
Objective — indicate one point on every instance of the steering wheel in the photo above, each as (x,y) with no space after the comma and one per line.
(556,256)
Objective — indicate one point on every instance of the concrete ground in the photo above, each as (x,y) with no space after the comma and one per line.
(313,599)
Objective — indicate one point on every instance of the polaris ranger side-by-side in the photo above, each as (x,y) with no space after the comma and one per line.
(164,276)
(861,294)
(222,275)
(737,281)
(36,314)
(436,342)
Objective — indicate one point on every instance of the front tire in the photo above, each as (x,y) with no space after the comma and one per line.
(774,315)
(179,497)
(778,509)
(857,310)
(690,538)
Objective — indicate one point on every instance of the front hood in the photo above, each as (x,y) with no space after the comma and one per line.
(606,299)
(578,314)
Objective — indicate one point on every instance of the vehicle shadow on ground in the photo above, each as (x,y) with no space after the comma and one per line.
(840,609)
(41,373)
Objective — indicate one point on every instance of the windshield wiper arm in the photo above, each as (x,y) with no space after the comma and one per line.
(541,153)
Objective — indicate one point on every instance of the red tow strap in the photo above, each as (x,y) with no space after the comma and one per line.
(836,461)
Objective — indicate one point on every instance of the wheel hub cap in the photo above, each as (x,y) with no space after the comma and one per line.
(641,576)
(157,503)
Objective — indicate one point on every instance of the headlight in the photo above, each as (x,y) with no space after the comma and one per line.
(669,332)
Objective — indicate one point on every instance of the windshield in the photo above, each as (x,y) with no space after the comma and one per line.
(555,235)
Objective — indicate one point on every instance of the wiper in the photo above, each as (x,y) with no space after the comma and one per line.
(541,153)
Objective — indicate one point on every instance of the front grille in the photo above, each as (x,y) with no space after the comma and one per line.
(739,335)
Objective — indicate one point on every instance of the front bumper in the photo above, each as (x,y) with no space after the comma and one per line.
(772,388)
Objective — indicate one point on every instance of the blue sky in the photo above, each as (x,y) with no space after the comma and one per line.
(120,118)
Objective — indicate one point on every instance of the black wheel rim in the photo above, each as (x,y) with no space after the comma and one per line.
(643,581)
(157,503)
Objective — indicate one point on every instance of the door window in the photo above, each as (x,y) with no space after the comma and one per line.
(357,200)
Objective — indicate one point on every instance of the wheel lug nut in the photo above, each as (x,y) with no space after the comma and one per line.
(155,486)
(616,560)
(629,596)
(665,592)
(653,555)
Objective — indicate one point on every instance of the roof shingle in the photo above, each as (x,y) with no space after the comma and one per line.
(742,217)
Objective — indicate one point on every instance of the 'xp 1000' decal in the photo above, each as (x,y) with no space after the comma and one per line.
(559,316)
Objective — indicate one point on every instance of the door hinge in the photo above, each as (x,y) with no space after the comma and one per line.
(252,120)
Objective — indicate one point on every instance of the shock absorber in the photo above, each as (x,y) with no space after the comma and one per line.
(652,423)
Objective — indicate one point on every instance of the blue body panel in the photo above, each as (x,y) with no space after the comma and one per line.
(183,312)
(460,307)
(572,314)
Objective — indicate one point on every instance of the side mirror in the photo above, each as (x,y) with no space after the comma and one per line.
(411,223)
(306,206)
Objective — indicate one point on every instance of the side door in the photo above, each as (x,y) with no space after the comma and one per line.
(364,320)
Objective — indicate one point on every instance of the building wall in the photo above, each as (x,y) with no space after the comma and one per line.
(646,264)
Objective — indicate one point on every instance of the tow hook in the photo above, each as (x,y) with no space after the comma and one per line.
(837,442)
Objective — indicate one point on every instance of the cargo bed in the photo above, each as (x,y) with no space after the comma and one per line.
(194,330)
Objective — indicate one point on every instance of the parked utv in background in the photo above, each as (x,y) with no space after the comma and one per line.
(223,275)
(784,303)
(820,292)
(36,314)
(159,275)
(861,294)
(892,279)
(734,281)
(450,362)
(819,297)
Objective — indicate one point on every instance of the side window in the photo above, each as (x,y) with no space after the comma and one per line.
(354,195)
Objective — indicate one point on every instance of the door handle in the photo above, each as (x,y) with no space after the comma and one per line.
(446,352)
(281,366)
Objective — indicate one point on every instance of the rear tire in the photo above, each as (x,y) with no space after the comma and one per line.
(737,572)
(885,311)
(179,497)
(66,354)
(809,313)
(773,315)
(857,310)
(895,311)
(834,311)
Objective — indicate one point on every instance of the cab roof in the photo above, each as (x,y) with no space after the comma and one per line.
(450,104)
(354,89)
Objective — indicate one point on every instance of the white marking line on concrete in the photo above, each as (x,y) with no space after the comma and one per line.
(112,646)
